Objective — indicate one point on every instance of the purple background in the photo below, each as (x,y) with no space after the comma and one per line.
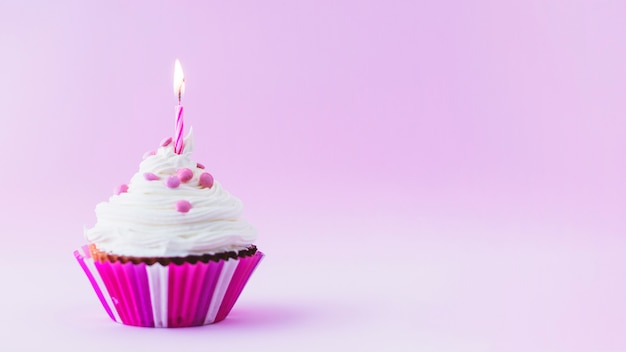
(443,175)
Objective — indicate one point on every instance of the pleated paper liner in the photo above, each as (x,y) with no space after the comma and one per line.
(170,294)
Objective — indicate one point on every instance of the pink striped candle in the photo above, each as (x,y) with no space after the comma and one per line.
(179,89)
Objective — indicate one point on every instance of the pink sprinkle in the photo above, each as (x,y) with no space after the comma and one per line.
(183,206)
(173,182)
(206,180)
(166,141)
(185,174)
(149,154)
(150,176)
(199,166)
(123,188)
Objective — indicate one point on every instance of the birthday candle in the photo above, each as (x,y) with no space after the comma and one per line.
(179,89)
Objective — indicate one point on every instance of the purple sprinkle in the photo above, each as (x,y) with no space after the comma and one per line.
(185,174)
(199,166)
(123,188)
(173,182)
(183,206)
(166,141)
(150,176)
(206,180)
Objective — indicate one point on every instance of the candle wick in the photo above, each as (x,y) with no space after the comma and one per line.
(180,90)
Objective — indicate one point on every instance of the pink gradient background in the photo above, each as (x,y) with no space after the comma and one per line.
(424,176)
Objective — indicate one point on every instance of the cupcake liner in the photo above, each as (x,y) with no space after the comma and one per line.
(174,295)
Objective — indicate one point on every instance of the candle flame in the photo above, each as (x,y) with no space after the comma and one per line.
(179,80)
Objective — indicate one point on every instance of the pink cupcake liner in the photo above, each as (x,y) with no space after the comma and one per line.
(171,295)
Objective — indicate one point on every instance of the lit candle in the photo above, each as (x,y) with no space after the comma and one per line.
(179,89)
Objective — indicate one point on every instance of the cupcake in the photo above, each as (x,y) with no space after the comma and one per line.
(170,248)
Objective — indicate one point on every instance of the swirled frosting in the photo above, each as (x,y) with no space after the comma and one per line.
(146,220)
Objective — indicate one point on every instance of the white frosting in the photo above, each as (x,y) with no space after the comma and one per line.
(144,222)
